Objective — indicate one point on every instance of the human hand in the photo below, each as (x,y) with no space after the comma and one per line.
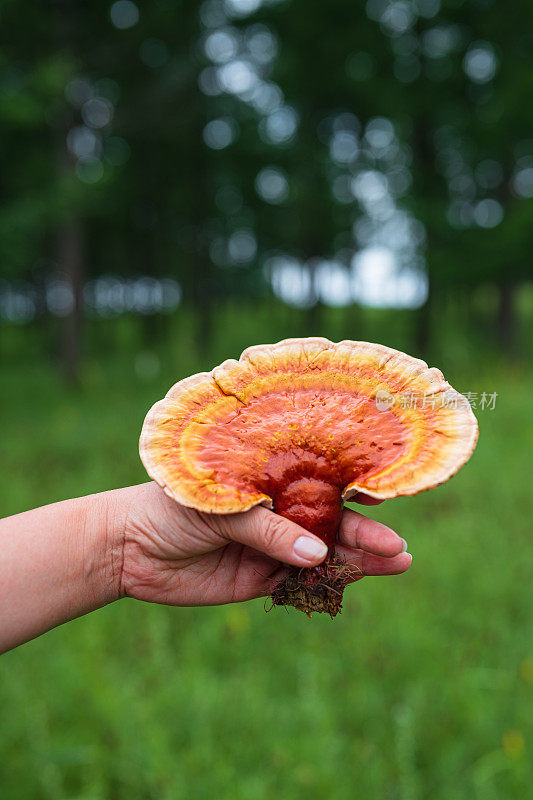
(179,556)
(66,559)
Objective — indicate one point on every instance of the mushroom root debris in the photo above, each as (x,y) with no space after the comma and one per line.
(300,427)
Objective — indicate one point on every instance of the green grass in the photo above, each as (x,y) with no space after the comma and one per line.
(421,689)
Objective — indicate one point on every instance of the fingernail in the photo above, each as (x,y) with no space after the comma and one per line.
(404,546)
(310,549)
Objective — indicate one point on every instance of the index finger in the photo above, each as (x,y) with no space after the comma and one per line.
(362,533)
(365,499)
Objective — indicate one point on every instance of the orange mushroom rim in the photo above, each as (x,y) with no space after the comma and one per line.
(302,426)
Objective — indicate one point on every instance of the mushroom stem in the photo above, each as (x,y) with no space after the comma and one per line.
(313,503)
(316,505)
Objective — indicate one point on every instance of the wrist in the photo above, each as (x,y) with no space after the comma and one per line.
(103,520)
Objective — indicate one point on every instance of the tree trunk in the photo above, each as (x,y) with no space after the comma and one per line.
(423,321)
(506,322)
(203,301)
(313,315)
(70,251)
(423,169)
(70,270)
(199,184)
(203,289)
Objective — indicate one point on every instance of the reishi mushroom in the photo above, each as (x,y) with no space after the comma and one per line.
(302,426)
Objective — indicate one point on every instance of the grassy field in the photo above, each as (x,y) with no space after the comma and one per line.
(422,689)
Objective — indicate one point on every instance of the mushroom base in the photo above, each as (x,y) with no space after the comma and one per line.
(318,589)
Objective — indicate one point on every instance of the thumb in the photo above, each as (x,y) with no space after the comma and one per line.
(276,536)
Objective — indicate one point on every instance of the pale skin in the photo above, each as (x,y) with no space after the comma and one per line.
(64,560)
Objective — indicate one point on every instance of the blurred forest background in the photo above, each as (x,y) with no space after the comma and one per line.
(174,155)
(181,180)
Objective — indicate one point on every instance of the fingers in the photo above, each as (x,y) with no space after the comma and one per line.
(370,546)
(360,532)
(274,535)
(365,499)
(369,564)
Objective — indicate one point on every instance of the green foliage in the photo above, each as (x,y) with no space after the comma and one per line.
(422,688)
(155,205)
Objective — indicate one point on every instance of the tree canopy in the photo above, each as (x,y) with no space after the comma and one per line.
(336,153)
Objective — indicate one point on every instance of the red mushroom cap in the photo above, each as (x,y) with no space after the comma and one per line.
(303,424)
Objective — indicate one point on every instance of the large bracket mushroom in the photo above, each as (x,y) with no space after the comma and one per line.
(301,426)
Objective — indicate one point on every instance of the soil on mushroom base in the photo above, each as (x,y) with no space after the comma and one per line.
(318,589)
